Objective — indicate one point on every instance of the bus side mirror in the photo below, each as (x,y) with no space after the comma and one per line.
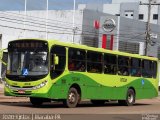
(1,56)
(56,59)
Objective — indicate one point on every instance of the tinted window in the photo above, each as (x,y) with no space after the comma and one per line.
(123,65)
(57,70)
(154,69)
(146,68)
(110,64)
(76,60)
(135,67)
(94,62)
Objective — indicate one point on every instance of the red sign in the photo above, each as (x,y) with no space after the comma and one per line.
(96,24)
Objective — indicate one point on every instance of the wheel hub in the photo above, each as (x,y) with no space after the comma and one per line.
(72,98)
(130,98)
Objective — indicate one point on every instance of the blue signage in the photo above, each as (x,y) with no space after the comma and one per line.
(25,72)
(142,82)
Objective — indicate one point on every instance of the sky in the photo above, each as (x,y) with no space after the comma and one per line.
(41,4)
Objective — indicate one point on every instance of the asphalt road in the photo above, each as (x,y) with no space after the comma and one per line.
(15,108)
(18,105)
(85,111)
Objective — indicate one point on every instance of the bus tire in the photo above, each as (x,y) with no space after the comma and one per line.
(130,98)
(73,98)
(98,102)
(36,101)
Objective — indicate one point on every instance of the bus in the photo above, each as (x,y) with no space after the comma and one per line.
(50,70)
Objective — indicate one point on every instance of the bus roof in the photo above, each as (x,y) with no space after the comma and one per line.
(57,42)
(100,50)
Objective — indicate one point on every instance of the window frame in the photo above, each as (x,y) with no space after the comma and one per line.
(121,67)
(136,71)
(76,64)
(155,16)
(117,14)
(94,67)
(146,73)
(141,16)
(109,67)
(154,69)
(53,70)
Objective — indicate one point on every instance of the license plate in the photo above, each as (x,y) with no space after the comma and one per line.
(21,91)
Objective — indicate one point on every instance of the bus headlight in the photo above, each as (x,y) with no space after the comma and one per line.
(32,88)
(40,85)
(6,84)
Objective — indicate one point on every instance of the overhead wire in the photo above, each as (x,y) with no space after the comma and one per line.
(40,19)
(83,34)
(32,24)
(66,29)
(55,27)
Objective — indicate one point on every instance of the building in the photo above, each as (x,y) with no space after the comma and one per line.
(134,9)
(130,18)
(129,35)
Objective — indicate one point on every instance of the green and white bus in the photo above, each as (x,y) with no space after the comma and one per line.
(49,70)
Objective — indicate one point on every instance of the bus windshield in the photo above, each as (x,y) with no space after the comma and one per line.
(27,59)
(27,63)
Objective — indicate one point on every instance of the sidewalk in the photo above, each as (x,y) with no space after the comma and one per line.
(1,88)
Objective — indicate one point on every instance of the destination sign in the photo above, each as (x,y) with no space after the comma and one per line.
(27,44)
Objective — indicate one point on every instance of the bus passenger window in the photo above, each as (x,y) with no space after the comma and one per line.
(76,60)
(71,65)
(57,70)
(135,69)
(94,62)
(146,68)
(154,69)
(123,65)
(110,64)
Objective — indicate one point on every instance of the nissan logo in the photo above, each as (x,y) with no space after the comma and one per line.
(109,25)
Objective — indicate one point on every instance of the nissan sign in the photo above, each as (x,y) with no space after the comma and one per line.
(109,25)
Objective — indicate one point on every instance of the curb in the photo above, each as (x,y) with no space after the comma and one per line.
(1,88)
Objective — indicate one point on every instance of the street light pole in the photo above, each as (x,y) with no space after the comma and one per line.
(47,20)
(73,26)
(25,12)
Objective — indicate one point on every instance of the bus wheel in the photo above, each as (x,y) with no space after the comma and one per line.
(130,98)
(98,102)
(72,98)
(36,101)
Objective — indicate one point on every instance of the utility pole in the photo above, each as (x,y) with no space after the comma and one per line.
(148,29)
